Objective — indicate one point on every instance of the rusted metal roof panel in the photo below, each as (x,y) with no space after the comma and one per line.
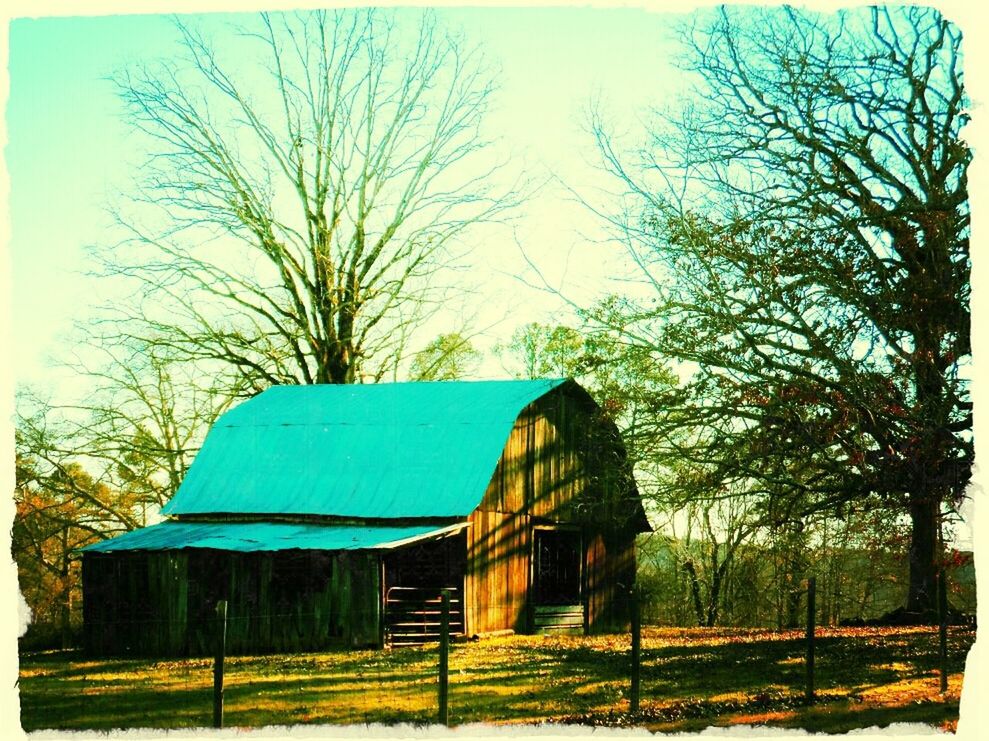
(402,450)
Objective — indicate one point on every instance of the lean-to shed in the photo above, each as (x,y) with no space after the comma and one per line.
(336,515)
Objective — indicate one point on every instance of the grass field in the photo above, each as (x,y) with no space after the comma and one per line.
(691,679)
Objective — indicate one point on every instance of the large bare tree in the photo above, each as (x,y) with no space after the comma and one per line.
(803,229)
(301,202)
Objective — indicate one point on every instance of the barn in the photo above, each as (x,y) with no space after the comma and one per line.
(332,516)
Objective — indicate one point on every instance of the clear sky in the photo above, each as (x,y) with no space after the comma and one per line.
(70,151)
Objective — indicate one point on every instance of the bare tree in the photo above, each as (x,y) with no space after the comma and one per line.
(49,460)
(804,225)
(705,538)
(143,418)
(59,507)
(292,224)
(102,466)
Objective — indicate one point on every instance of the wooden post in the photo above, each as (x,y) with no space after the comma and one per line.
(444,717)
(221,648)
(633,698)
(811,619)
(942,608)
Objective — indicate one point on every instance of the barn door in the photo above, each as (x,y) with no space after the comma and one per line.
(557,596)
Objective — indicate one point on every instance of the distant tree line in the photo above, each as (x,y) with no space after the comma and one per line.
(765,585)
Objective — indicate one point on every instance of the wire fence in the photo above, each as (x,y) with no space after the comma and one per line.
(560,675)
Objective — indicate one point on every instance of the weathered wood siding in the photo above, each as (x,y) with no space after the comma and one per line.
(560,465)
(162,603)
(498,545)
(609,575)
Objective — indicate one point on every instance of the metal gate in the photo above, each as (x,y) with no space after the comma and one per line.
(412,615)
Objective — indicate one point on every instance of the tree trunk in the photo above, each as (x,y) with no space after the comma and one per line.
(695,591)
(718,579)
(794,597)
(712,605)
(337,365)
(924,517)
(65,598)
(64,613)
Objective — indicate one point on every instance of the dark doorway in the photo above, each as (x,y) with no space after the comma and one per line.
(557,598)
(557,567)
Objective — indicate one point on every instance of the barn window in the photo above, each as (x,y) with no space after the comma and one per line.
(556,571)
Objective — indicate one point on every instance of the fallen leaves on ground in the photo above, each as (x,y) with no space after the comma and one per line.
(691,679)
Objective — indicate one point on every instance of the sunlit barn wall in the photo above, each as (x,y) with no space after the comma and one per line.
(563,465)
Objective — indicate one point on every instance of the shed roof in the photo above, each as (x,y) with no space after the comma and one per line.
(267,536)
(398,450)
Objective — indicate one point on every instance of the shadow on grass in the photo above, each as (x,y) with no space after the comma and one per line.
(841,719)
(688,684)
(116,708)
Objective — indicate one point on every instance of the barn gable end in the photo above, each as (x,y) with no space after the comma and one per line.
(563,469)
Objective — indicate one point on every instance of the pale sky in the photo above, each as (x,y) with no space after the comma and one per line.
(70,152)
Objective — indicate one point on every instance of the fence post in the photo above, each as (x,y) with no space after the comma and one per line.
(444,716)
(811,619)
(221,648)
(942,608)
(633,698)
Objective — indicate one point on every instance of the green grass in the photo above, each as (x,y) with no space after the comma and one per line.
(691,679)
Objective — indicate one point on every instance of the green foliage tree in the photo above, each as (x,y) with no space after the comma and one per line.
(622,376)
(538,350)
(803,229)
(448,357)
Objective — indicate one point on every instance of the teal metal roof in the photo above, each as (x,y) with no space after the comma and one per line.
(360,451)
(264,536)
